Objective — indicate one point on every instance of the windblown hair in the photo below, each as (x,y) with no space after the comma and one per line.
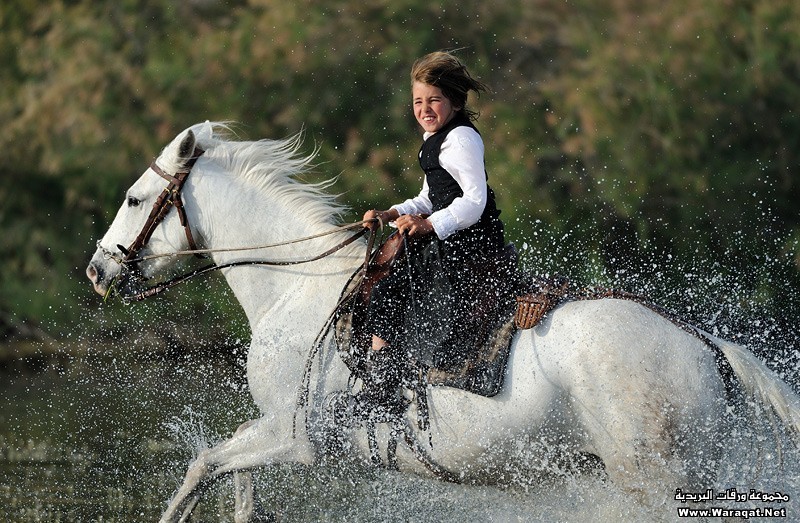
(445,71)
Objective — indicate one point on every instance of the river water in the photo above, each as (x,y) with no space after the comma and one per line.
(107,439)
(101,438)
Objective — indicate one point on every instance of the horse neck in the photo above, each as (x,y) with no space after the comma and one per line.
(243,218)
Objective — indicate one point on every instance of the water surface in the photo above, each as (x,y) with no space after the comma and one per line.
(101,438)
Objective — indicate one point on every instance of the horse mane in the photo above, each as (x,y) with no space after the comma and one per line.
(271,166)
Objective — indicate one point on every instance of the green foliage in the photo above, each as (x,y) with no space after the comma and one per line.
(632,142)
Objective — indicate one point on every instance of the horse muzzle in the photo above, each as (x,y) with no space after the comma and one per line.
(104,272)
(97,275)
(108,271)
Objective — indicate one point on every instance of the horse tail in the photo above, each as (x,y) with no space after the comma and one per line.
(763,387)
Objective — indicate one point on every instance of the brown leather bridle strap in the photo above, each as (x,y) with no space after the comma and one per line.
(170,196)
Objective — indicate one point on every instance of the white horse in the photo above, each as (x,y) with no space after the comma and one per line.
(606,377)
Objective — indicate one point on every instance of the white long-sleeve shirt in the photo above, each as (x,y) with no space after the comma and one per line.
(462,156)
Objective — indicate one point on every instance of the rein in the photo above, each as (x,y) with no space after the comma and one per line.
(198,252)
(161,287)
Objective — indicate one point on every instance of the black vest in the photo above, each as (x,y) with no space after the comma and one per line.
(443,188)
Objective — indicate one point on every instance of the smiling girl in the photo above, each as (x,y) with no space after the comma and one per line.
(452,223)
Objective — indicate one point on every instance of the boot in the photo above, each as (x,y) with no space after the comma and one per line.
(381,399)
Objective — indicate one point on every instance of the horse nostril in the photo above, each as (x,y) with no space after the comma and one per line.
(92,273)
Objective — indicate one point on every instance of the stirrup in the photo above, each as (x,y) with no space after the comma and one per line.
(385,407)
(339,408)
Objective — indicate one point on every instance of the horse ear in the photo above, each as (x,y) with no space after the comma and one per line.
(186,148)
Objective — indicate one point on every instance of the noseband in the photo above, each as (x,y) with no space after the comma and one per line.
(170,197)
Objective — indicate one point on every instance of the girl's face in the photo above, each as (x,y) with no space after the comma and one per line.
(431,108)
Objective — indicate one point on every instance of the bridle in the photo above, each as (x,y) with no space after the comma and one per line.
(170,197)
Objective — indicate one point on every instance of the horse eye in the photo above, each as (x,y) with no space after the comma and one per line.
(133,201)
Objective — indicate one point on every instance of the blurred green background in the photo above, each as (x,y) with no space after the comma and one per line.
(643,144)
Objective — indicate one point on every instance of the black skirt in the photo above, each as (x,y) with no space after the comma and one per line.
(435,300)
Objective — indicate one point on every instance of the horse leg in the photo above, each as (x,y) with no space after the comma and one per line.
(637,436)
(191,504)
(189,493)
(243,491)
(242,515)
(654,446)
(244,496)
(243,487)
(254,445)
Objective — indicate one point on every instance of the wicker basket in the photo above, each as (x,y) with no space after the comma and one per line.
(531,308)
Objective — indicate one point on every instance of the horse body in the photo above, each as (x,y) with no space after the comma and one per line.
(600,378)
(608,378)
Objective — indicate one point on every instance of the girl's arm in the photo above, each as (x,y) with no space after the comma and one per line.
(420,204)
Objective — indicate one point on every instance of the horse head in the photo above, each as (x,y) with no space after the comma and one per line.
(146,228)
